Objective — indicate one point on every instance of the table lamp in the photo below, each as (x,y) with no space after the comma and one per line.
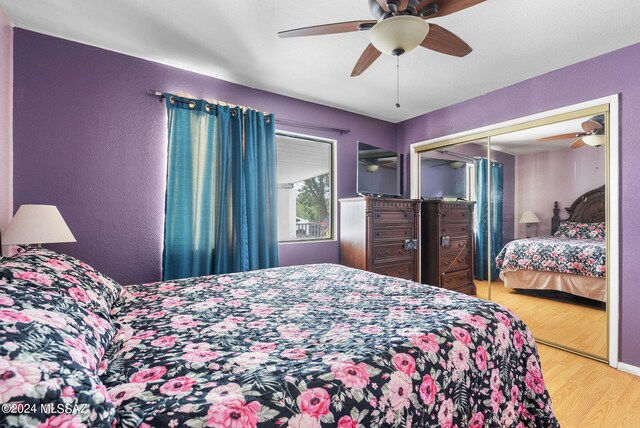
(37,224)
(529,217)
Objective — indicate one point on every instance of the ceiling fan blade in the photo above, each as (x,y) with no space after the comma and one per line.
(444,41)
(319,30)
(562,136)
(444,7)
(367,58)
(590,126)
(577,144)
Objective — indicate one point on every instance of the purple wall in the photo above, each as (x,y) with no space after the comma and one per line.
(90,140)
(616,72)
(6,128)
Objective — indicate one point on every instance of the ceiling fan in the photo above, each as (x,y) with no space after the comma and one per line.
(593,134)
(373,164)
(399,27)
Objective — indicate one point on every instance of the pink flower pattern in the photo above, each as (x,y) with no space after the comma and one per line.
(585,257)
(271,348)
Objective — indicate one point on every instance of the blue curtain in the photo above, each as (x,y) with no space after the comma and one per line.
(220,210)
(483,224)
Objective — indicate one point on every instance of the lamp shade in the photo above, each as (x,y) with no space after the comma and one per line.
(37,224)
(398,34)
(529,217)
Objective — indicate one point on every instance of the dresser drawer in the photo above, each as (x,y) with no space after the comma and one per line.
(397,270)
(388,233)
(396,216)
(455,262)
(456,279)
(455,229)
(455,216)
(391,252)
(455,246)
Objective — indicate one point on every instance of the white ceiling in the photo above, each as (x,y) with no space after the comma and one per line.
(513,40)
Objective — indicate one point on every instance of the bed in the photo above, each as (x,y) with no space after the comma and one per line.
(305,346)
(573,260)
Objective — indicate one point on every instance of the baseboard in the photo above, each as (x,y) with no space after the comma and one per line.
(628,368)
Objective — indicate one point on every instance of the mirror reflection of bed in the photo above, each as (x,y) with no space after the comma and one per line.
(568,303)
(564,303)
(562,278)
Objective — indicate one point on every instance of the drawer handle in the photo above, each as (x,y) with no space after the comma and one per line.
(446,264)
(447,280)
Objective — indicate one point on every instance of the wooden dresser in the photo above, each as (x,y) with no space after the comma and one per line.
(448,245)
(381,235)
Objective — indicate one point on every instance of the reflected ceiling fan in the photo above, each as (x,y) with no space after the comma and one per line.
(399,27)
(374,163)
(593,134)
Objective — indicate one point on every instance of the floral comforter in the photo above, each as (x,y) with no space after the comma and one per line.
(320,345)
(554,254)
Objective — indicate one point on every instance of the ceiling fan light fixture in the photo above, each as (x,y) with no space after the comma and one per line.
(399,34)
(594,140)
(457,164)
(372,168)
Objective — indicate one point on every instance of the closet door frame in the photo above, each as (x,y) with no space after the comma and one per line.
(609,105)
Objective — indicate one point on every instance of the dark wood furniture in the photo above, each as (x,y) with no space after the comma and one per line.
(380,235)
(590,207)
(448,245)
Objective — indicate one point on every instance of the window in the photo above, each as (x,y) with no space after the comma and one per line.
(305,188)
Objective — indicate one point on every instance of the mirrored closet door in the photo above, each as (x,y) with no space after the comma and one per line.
(539,222)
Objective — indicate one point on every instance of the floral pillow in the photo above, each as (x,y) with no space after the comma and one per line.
(575,230)
(50,352)
(54,272)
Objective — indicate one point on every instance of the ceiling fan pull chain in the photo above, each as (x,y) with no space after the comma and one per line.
(398,81)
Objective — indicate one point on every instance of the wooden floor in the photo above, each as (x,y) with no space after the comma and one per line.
(562,319)
(588,394)
(585,393)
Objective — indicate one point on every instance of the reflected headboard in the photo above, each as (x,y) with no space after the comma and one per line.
(588,208)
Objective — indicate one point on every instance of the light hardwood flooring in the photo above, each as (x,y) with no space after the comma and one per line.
(572,322)
(588,394)
(585,393)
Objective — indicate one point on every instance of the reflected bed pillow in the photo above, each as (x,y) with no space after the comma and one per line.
(575,230)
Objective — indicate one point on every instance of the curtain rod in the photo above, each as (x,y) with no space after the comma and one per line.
(287,122)
(447,152)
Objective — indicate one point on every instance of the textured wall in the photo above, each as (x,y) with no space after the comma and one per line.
(613,73)
(6,120)
(90,140)
(538,175)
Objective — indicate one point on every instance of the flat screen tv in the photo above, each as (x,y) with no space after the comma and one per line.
(379,171)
